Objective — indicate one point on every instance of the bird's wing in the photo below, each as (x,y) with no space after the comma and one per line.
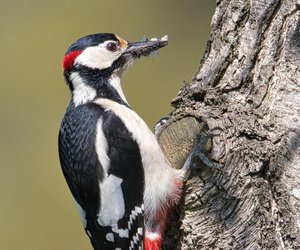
(125,166)
(102,168)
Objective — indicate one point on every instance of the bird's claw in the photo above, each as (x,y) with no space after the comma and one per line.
(200,152)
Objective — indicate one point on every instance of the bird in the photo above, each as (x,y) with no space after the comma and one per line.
(121,181)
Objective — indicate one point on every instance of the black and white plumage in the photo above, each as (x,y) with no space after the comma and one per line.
(117,173)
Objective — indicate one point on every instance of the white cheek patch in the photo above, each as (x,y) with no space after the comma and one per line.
(97,57)
(82,92)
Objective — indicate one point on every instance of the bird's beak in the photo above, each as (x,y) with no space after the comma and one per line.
(145,47)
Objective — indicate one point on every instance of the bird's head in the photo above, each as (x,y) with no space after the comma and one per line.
(94,59)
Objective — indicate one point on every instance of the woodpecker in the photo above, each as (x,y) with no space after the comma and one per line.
(121,181)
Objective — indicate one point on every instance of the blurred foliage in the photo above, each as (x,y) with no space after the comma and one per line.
(36,210)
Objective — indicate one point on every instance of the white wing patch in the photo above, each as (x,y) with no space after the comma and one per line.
(112,207)
(101,147)
(112,201)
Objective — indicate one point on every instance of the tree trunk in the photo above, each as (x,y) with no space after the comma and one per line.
(247,91)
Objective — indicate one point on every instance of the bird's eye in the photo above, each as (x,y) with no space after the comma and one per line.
(113,47)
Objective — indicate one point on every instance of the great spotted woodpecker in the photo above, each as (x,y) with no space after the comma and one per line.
(121,181)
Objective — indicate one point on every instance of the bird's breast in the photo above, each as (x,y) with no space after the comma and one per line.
(149,147)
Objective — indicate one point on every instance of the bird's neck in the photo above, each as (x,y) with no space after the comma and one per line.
(98,86)
(115,82)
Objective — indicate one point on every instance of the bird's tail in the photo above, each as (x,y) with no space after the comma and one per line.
(155,227)
(155,231)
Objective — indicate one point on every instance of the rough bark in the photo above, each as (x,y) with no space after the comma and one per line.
(248,89)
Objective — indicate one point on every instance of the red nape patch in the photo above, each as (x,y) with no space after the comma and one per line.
(70,58)
(152,244)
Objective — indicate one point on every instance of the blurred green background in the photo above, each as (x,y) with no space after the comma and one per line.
(36,208)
